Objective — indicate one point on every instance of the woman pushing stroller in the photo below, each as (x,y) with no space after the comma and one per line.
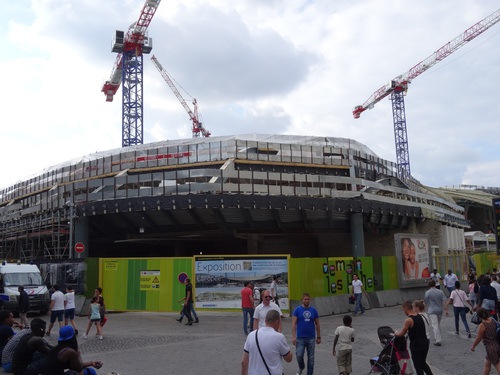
(414,325)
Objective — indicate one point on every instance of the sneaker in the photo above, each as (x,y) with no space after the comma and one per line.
(76,332)
(99,337)
(437,344)
(179,320)
(354,314)
(363,313)
(299,371)
(85,337)
(456,332)
(196,321)
(189,323)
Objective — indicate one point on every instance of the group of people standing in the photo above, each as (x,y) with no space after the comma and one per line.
(26,352)
(266,346)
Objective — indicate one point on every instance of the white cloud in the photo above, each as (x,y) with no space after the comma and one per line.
(295,67)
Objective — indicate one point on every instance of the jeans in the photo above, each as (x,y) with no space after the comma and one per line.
(436,325)
(462,311)
(302,345)
(193,312)
(186,310)
(359,305)
(247,311)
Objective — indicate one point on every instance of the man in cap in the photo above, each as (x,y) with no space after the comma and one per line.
(66,355)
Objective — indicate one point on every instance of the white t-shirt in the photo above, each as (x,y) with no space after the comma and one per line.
(70,300)
(356,286)
(449,280)
(262,310)
(58,298)
(273,346)
(345,335)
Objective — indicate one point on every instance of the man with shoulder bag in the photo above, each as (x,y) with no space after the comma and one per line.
(265,349)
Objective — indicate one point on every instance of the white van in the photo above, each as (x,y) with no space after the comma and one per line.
(28,275)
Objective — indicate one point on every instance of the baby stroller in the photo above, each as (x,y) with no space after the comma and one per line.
(394,357)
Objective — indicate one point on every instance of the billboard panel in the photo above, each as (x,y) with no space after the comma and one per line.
(413,253)
(219,280)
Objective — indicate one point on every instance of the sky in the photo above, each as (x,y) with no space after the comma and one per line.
(254,66)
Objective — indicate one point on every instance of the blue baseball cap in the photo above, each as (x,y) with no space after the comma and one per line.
(66,333)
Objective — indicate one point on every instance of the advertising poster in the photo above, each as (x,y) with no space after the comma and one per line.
(413,255)
(219,280)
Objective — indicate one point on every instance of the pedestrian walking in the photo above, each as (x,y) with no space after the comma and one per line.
(358,290)
(414,325)
(266,348)
(436,276)
(247,306)
(94,316)
(24,306)
(449,281)
(435,300)
(259,315)
(458,299)
(344,336)
(188,301)
(273,289)
(69,308)
(306,333)
(56,308)
(487,333)
(102,306)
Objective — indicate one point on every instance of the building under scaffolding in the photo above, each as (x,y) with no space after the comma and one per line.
(305,196)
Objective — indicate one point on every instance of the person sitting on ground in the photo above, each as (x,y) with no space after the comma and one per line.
(29,355)
(66,356)
(8,351)
(6,332)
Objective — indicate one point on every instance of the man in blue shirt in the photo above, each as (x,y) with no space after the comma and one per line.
(305,333)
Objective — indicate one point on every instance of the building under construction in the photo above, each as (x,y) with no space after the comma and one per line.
(246,194)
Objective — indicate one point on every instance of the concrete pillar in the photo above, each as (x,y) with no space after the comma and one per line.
(253,243)
(357,235)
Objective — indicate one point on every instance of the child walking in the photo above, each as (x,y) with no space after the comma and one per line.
(94,318)
(344,335)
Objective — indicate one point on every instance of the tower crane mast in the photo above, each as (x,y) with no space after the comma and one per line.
(398,87)
(128,70)
(198,130)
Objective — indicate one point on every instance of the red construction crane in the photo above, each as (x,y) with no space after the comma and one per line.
(398,86)
(198,129)
(128,69)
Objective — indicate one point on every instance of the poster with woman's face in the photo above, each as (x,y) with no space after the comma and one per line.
(413,251)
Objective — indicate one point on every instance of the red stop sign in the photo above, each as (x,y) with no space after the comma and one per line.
(79,247)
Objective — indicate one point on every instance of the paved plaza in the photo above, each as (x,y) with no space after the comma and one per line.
(155,343)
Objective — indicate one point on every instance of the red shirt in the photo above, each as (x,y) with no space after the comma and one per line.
(246,298)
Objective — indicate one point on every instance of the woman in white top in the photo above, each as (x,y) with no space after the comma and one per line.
(458,299)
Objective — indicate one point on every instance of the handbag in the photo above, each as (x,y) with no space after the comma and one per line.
(260,352)
(475,319)
(467,310)
(352,299)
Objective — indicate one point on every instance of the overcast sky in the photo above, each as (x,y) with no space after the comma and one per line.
(254,66)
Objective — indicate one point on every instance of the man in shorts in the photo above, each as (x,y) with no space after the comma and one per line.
(56,308)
